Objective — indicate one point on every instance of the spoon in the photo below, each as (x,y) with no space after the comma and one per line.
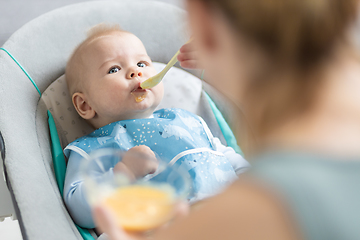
(155,80)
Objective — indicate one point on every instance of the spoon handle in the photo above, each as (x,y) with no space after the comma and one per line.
(170,64)
(153,81)
(173,60)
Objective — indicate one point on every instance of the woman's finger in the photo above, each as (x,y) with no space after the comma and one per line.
(187,47)
(182,209)
(187,56)
(190,64)
(106,222)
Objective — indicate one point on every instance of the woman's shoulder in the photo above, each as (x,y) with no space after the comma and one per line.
(321,190)
(243,211)
(299,175)
(294,165)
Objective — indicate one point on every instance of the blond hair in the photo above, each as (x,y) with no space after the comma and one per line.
(297,36)
(73,71)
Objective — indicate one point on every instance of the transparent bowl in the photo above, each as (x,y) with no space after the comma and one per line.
(138,205)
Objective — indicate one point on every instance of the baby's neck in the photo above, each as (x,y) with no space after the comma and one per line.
(97,123)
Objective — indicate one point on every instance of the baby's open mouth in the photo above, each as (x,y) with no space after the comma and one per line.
(139,93)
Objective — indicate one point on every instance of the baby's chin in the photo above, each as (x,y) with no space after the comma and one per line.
(149,99)
(145,107)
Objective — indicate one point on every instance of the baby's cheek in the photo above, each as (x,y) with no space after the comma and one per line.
(159,92)
(113,98)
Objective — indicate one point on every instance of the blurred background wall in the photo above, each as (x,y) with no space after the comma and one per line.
(15,13)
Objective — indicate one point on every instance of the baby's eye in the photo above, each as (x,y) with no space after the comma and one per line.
(141,64)
(114,70)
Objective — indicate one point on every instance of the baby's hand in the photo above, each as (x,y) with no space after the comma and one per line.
(188,56)
(137,162)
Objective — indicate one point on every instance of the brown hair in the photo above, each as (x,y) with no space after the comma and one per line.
(297,35)
(73,71)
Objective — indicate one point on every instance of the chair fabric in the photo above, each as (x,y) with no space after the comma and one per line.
(42,47)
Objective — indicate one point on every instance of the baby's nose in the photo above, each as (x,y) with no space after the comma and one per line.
(134,73)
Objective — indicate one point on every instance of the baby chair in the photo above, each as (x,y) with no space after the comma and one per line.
(37,118)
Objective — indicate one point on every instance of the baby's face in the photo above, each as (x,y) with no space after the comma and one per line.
(115,65)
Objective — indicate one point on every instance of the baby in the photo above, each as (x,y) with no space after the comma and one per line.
(103,76)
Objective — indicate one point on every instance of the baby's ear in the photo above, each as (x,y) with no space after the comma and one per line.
(82,106)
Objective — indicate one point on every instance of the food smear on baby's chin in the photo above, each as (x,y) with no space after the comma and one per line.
(139,96)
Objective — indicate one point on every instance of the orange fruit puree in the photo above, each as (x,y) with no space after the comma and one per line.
(139,96)
(141,208)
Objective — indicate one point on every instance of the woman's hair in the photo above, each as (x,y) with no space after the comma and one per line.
(296,35)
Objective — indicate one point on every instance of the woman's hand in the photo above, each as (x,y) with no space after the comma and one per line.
(188,56)
(137,162)
(106,223)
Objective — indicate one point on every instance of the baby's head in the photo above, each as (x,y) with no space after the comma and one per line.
(104,75)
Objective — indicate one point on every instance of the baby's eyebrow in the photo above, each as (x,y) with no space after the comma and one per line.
(110,60)
(143,55)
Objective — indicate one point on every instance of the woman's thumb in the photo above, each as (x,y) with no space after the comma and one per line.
(106,222)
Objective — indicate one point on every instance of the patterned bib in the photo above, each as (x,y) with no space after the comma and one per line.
(177,137)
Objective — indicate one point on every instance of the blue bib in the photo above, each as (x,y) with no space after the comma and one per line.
(176,136)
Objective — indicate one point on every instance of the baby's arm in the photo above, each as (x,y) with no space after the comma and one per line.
(74,192)
(136,163)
